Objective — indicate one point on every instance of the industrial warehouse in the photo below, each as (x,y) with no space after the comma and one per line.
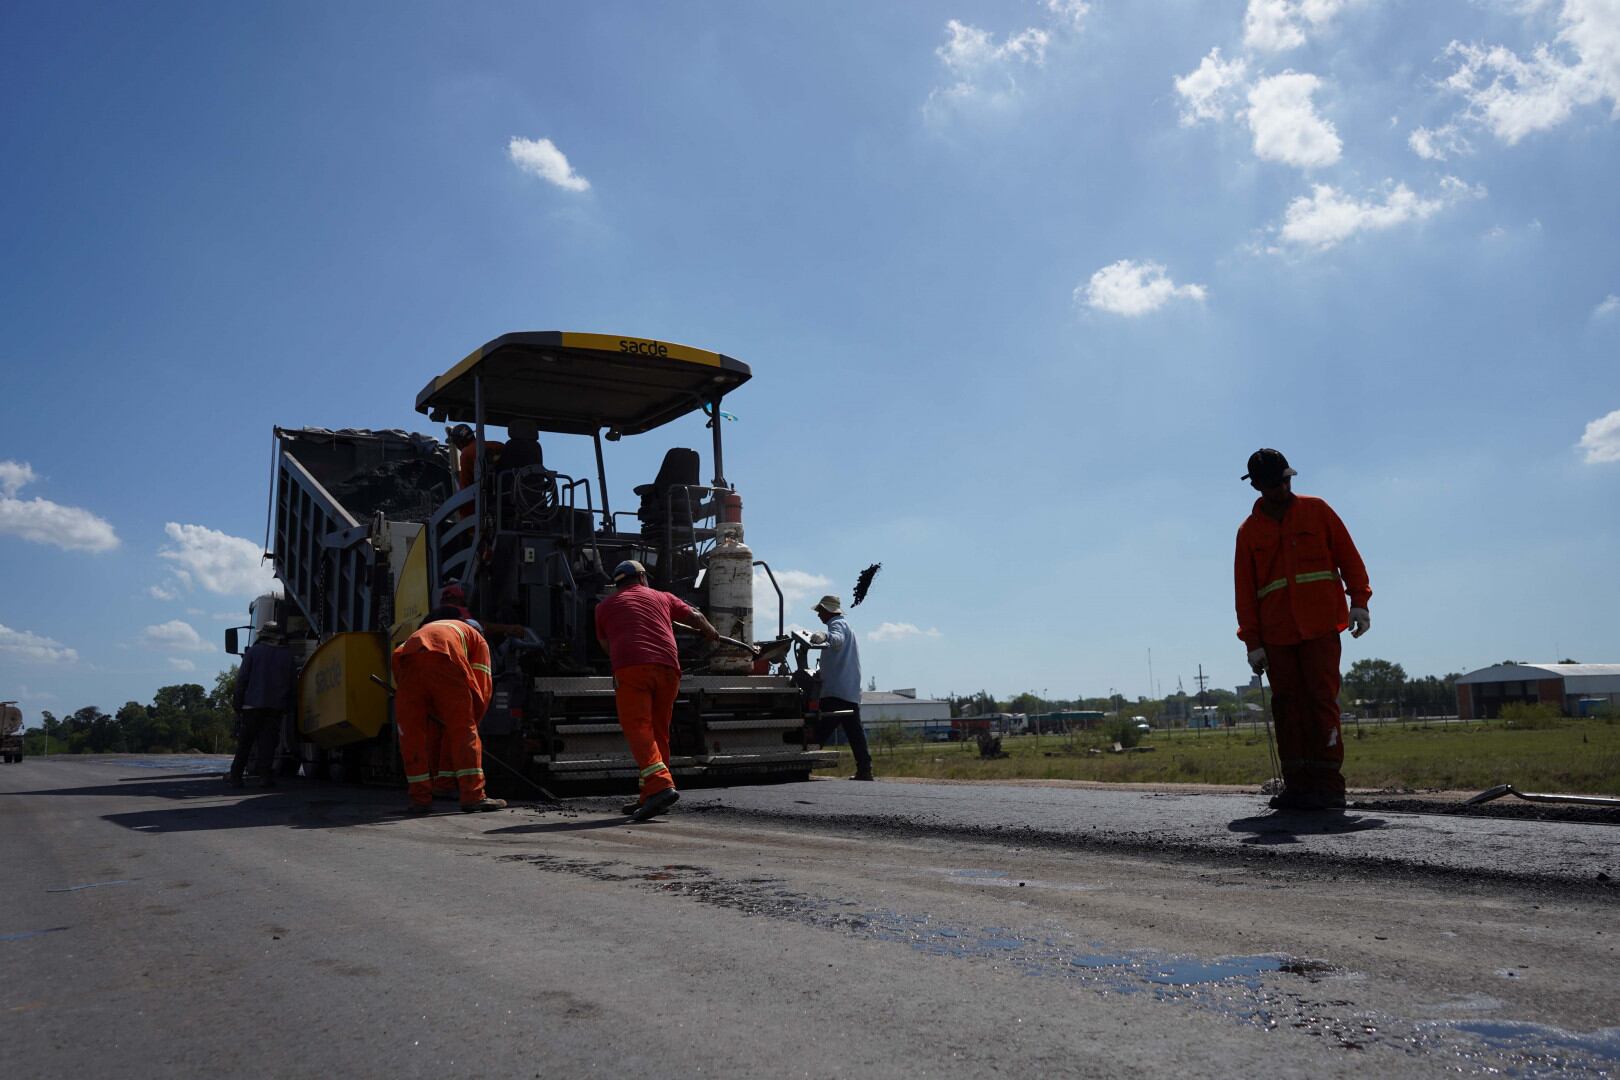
(1575,689)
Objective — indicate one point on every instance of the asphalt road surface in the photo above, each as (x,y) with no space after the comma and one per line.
(158,924)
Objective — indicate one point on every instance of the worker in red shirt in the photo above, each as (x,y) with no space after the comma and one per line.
(1295,563)
(636,627)
(443,686)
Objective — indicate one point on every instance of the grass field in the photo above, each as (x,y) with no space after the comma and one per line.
(1569,756)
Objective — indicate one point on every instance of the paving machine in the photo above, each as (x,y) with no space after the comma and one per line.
(369,527)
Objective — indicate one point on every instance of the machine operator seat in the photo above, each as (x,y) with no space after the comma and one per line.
(680,468)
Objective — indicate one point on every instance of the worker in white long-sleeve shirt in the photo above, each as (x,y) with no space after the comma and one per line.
(840,672)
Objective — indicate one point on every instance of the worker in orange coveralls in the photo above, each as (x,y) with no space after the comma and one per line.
(443,686)
(452,605)
(466,443)
(1295,562)
(636,627)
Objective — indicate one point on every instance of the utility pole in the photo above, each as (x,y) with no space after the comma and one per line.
(1203,695)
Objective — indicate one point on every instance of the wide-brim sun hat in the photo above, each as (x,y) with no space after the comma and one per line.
(830,604)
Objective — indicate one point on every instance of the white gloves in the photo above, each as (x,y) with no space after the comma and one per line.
(818,638)
(1360,621)
(1257,660)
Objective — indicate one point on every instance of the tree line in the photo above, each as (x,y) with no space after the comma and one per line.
(1380,687)
(185,718)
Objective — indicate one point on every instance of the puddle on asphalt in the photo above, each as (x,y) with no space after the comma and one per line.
(23,935)
(91,885)
(213,764)
(1004,880)
(1236,987)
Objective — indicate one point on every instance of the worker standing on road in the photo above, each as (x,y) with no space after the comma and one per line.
(636,626)
(1295,562)
(264,695)
(840,671)
(443,686)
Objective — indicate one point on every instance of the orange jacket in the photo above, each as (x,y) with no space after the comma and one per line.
(465,646)
(1291,576)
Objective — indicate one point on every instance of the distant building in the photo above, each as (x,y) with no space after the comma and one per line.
(925,718)
(1576,689)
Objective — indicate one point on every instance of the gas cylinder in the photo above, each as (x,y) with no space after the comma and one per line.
(730,581)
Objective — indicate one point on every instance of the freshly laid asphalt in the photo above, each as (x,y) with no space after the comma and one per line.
(1223,825)
(155,923)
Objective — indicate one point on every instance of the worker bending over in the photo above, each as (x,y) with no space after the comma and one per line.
(443,686)
(1295,562)
(636,626)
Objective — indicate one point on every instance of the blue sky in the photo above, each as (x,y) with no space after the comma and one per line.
(1022,285)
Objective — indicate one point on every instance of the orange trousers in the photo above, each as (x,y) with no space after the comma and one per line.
(438,719)
(645,697)
(1305,706)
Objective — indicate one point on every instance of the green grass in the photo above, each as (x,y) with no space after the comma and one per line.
(1569,756)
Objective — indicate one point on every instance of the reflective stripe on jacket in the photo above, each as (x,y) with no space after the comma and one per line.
(1290,577)
(465,646)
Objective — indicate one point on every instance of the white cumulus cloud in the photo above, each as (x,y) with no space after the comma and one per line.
(44,522)
(983,70)
(799,587)
(1513,95)
(893,631)
(1438,144)
(221,563)
(1207,92)
(1132,289)
(1285,124)
(14,476)
(1328,216)
(1070,12)
(1601,440)
(180,663)
(1279,25)
(34,648)
(1608,307)
(176,635)
(540,157)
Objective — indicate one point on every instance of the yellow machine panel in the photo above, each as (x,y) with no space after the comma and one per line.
(411,599)
(338,703)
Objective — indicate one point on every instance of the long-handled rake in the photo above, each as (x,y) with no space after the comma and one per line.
(1275,784)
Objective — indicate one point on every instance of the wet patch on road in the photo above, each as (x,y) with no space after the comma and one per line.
(1243,989)
(24,935)
(210,764)
(91,885)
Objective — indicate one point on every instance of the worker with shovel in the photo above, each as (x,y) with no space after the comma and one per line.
(1295,563)
(443,686)
(636,627)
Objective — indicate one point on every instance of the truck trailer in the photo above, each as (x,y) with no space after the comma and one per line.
(11,733)
(369,527)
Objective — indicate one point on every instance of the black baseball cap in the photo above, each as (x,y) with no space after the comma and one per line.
(1267,468)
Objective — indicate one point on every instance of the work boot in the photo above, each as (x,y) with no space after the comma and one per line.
(863,774)
(630,807)
(657,803)
(418,808)
(483,805)
(235,779)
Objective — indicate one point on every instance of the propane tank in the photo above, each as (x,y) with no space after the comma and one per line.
(730,581)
